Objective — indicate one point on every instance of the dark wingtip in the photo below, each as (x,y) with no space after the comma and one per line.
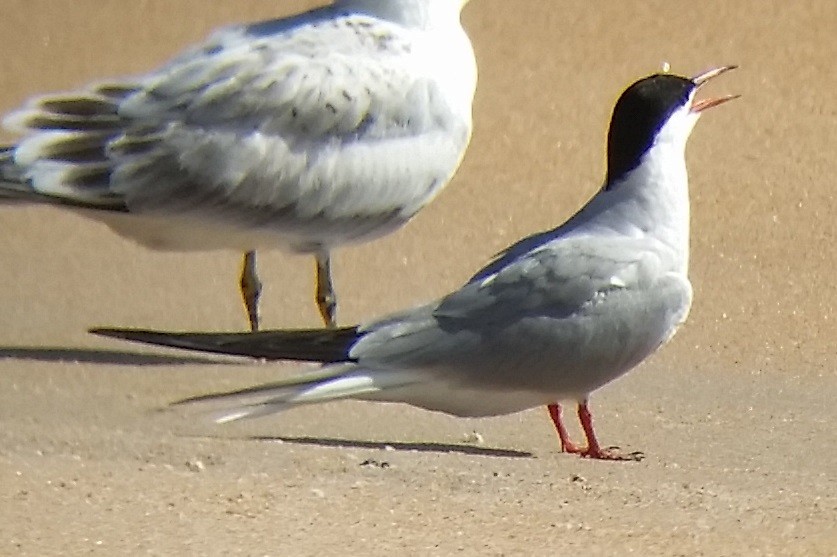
(145,336)
(125,334)
(317,345)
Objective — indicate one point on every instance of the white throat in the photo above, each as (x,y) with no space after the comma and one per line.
(651,200)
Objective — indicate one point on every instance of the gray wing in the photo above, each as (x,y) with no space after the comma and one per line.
(324,126)
(559,278)
(537,312)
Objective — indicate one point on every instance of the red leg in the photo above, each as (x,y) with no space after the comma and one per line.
(594,450)
(567,446)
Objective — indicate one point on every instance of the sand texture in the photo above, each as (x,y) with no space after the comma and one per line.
(735,416)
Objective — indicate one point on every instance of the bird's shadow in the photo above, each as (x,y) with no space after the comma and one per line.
(125,358)
(447,448)
(104,357)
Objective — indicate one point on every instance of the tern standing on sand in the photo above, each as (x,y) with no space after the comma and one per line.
(306,133)
(554,317)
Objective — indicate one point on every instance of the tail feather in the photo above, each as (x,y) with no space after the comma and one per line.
(62,146)
(64,156)
(10,176)
(334,382)
(312,345)
(79,168)
(341,379)
(268,390)
(67,121)
(84,111)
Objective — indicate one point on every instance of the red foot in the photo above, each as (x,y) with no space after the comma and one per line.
(593,450)
(567,445)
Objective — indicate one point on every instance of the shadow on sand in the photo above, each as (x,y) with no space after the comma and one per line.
(105,357)
(390,446)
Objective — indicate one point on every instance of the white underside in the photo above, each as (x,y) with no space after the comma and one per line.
(164,233)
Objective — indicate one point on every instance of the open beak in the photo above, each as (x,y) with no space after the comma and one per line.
(701,79)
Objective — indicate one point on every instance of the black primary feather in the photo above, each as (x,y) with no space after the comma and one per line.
(309,345)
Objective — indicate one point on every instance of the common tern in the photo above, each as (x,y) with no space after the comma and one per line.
(306,133)
(554,317)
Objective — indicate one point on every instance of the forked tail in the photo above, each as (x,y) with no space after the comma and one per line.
(333,382)
(343,378)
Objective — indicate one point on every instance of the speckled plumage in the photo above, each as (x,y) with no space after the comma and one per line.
(334,126)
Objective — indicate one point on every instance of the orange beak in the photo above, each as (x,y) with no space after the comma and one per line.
(701,79)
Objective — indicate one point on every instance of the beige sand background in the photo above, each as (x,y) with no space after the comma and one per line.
(735,416)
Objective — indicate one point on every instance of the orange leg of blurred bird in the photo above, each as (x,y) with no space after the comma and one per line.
(251,289)
(593,449)
(326,298)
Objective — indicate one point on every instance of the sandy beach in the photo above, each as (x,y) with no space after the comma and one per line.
(734,416)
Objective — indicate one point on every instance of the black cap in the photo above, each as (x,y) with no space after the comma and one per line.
(639,115)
